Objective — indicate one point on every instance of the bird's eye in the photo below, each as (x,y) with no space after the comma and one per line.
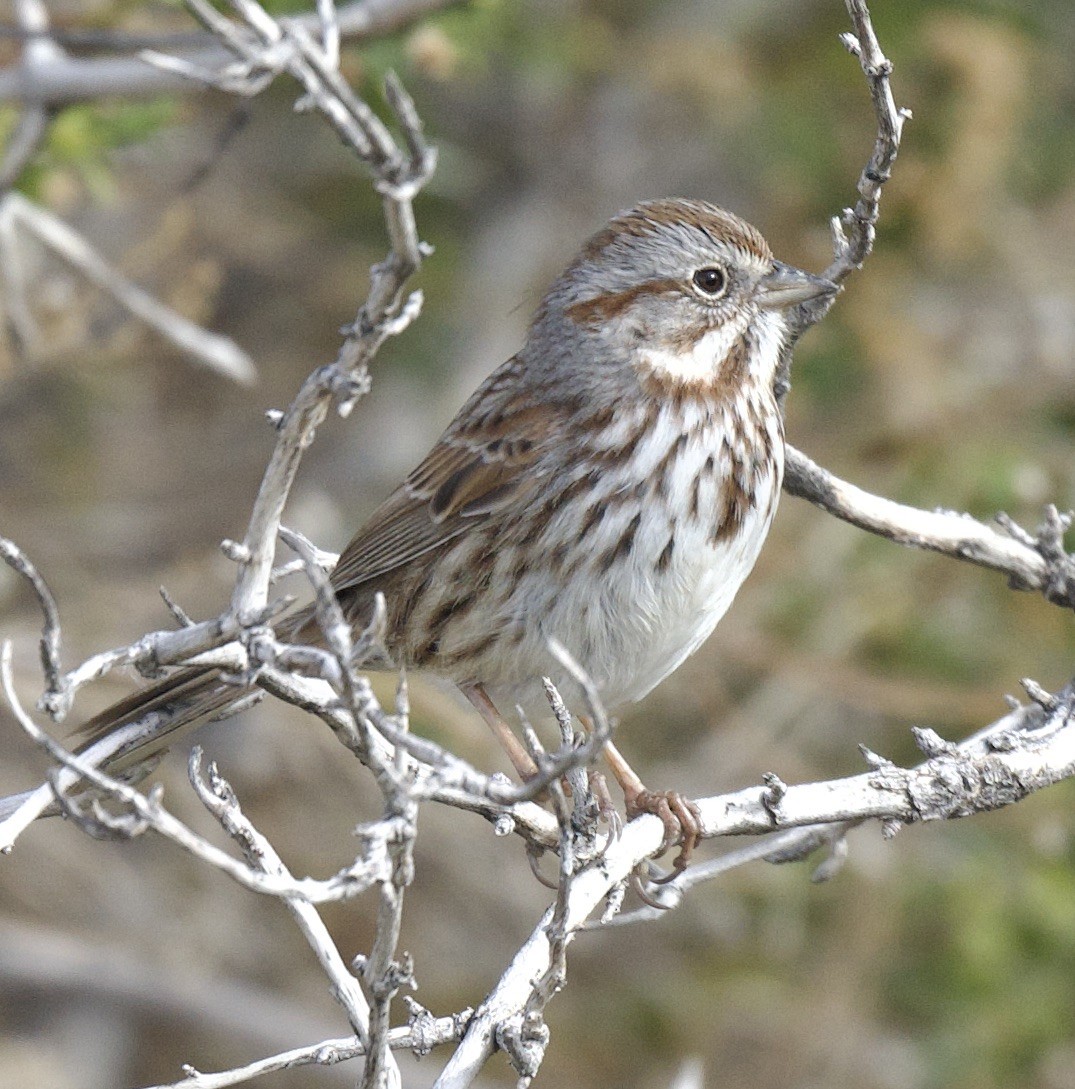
(710,281)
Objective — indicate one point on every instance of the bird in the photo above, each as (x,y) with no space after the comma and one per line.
(609,487)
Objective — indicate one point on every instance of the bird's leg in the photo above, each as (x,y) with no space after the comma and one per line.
(517,754)
(606,808)
(681,817)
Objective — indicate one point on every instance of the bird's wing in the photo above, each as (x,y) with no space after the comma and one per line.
(478,467)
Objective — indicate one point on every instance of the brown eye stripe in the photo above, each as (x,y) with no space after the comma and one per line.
(602,308)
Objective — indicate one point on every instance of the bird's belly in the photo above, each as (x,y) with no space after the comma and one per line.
(629,620)
(640,623)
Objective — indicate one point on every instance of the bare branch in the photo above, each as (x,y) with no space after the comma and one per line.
(1028,749)
(854,231)
(347,883)
(71,79)
(1020,753)
(1030,563)
(218,797)
(421,1035)
(386,311)
(26,138)
(216,352)
(39,52)
(18,561)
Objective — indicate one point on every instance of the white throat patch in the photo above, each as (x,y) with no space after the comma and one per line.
(699,364)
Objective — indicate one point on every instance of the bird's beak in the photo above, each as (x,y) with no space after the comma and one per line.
(786,286)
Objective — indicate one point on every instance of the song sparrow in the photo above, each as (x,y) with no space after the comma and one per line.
(610,485)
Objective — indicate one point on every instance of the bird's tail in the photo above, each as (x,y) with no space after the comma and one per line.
(126,739)
(167,708)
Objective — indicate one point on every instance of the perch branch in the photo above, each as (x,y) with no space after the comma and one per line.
(1030,748)
(1031,563)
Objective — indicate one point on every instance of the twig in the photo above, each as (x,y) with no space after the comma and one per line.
(853,232)
(219,353)
(381,973)
(26,138)
(347,883)
(1022,752)
(420,1036)
(30,130)
(39,52)
(51,665)
(526,1036)
(957,780)
(218,797)
(264,47)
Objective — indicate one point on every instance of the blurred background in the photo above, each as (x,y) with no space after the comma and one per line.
(944,376)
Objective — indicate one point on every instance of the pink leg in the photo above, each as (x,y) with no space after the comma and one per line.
(485,707)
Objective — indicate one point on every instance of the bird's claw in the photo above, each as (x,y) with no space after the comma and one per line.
(682,821)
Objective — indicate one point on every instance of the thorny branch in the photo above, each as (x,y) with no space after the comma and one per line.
(854,230)
(420,1035)
(147,812)
(1032,563)
(218,797)
(1030,748)
(1026,750)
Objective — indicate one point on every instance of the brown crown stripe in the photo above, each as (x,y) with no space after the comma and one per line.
(602,308)
(717,224)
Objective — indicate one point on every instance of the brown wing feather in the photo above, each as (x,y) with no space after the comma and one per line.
(477,467)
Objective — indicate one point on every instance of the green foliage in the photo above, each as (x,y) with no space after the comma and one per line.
(81,140)
(831,368)
(1007,952)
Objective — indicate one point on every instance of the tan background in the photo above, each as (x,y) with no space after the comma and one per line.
(944,376)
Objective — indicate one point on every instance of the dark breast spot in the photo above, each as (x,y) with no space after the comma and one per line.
(732,506)
(622,548)
(592,519)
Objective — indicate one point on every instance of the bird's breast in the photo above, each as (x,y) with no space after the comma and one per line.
(663,520)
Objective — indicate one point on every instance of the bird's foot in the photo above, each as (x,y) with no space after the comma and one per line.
(681,818)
